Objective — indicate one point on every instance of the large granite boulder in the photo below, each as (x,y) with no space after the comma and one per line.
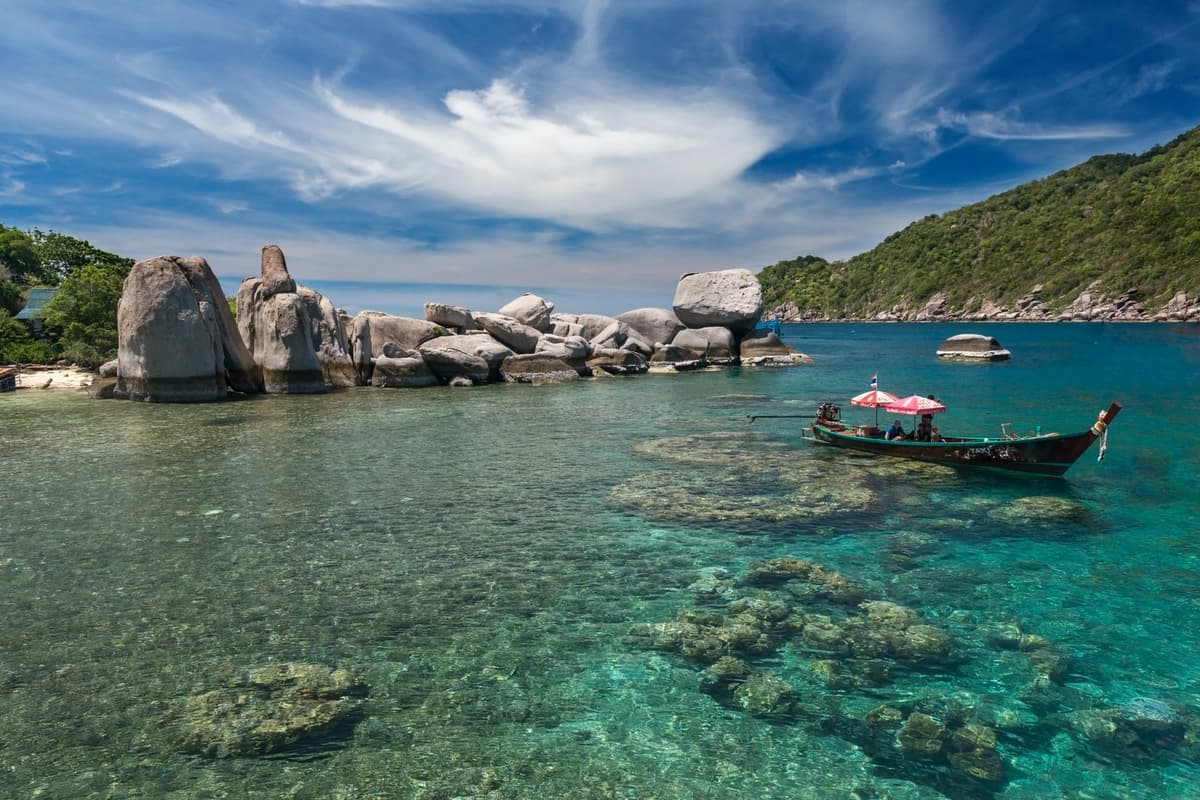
(568,348)
(176,338)
(731,298)
(457,318)
(713,343)
(513,334)
(371,331)
(654,325)
(972,347)
(531,310)
(537,368)
(476,356)
(293,332)
(406,370)
(619,336)
(588,326)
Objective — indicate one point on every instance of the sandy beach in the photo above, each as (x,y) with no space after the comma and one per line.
(39,377)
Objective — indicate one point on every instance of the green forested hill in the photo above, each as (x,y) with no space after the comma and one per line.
(1130,222)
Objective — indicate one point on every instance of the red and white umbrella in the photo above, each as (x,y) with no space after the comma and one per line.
(873,399)
(915,404)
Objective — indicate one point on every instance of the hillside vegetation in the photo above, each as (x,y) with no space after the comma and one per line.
(1130,222)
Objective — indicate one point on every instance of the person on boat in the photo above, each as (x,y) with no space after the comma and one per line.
(924,431)
(896,431)
(934,435)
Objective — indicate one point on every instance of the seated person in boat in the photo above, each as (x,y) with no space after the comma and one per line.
(935,436)
(896,431)
(925,429)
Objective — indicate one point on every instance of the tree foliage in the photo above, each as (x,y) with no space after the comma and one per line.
(1130,222)
(59,255)
(16,345)
(85,310)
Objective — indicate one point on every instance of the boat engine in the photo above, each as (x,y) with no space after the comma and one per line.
(829,412)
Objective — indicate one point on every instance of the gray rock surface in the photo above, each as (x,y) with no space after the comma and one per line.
(617,362)
(274,272)
(177,341)
(513,334)
(537,368)
(730,298)
(456,318)
(654,325)
(476,356)
(403,372)
(371,331)
(531,310)
(714,343)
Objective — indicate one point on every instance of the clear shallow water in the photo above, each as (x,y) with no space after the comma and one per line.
(480,558)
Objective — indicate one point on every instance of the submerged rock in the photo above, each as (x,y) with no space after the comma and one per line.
(269,710)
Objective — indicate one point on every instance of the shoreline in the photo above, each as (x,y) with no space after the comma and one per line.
(35,376)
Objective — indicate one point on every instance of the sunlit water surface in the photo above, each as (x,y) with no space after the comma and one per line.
(480,558)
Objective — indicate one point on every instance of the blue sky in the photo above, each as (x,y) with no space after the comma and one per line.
(464,151)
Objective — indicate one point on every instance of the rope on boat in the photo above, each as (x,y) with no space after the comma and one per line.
(1100,428)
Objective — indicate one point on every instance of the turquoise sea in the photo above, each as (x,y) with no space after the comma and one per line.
(584,591)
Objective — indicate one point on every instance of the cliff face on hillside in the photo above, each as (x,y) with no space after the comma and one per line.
(1117,238)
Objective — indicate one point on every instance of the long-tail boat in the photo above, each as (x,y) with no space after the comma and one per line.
(1039,453)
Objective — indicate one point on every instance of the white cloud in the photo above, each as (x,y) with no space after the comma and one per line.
(989,125)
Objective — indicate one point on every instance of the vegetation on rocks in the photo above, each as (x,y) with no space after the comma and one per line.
(1128,222)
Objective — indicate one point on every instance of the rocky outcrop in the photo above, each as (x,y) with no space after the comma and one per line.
(619,336)
(713,343)
(512,333)
(372,331)
(972,347)
(588,326)
(457,318)
(654,325)
(402,369)
(730,298)
(531,310)
(617,362)
(177,340)
(476,356)
(294,336)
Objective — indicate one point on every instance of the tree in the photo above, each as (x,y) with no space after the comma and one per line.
(85,310)
(16,346)
(19,268)
(59,255)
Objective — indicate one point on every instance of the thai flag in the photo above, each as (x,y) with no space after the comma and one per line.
(875,381)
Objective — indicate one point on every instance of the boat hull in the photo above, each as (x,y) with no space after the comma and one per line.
(1052,454)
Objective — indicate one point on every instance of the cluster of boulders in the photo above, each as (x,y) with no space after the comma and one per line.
(1091,305)
(972,347)
(179,341)
(856,646)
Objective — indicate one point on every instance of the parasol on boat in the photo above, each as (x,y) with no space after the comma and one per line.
(874,399)
(915,404)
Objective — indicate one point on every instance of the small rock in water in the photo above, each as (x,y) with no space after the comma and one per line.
(213,512)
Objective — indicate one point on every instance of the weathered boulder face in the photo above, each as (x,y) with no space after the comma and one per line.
(275,276)
(972,347)
(281,338)
(619,336)
(531,310)
(731,298)
(373,330)
(456,318)
(403,372)
(176,338)
(588,326)
(714,343)
(537,368)
(510,332)
(271,710)
(568,348)
(653,325)
(476,356)
(329,339)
